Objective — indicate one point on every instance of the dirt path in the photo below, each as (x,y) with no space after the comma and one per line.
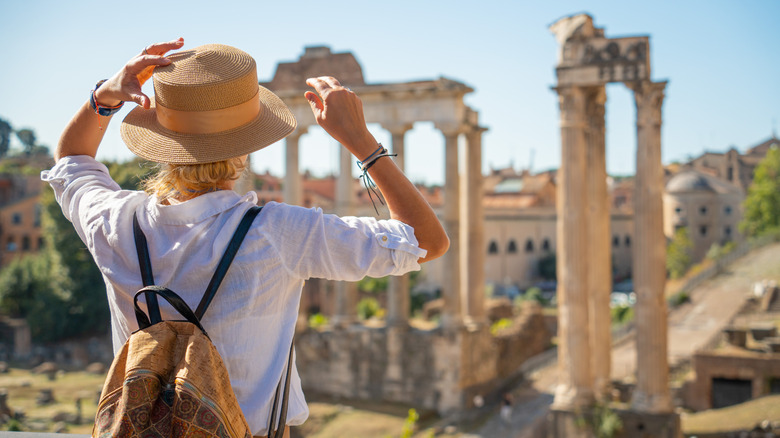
(713,304)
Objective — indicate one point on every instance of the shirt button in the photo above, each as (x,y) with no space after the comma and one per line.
(384,238)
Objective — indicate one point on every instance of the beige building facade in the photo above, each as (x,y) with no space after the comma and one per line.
(709,207)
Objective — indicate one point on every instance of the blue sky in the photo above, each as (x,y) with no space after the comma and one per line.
(722,60)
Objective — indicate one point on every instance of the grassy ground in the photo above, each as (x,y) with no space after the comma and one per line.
(23,387)
(327,419)
(738,417)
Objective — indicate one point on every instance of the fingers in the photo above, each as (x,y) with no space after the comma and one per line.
(314,101)
(163,48)
(139,63)
(323,84)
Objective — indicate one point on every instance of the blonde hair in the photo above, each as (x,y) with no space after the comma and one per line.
(187,181)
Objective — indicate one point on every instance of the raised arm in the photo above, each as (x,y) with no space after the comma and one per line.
(340,112)
(85,131)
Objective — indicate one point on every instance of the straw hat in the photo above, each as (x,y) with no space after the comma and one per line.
(208,107)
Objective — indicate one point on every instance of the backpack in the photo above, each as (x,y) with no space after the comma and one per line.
(169,379)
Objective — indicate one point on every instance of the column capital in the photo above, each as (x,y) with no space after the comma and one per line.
(299,131)
(397,128)
(572,102)
(449,128)
(649,97)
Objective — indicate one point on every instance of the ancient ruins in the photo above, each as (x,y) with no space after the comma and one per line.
(587,61)
(444,368)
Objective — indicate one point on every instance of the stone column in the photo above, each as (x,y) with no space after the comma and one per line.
(346,291)
(452,314)
(575,377)
(599,249)
(293,185)
(652,385)
(398,300)
(475,228)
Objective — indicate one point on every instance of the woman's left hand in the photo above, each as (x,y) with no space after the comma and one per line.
(125,85)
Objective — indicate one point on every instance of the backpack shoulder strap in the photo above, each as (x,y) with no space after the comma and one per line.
(147,276)
(227,259)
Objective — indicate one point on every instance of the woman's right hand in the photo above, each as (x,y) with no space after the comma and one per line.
(125,85)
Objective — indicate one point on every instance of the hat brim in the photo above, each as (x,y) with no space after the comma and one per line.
(148,139)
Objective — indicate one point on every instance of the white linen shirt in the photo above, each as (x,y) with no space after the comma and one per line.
(252,318)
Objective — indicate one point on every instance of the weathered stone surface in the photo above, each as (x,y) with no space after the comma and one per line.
(440,369)
(96,368)
(498,308)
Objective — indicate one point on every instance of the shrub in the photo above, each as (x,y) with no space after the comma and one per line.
(368,308)
(501,324)
(318,320)
(622,314)
(679,299)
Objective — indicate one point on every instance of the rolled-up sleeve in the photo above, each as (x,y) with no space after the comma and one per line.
(313,244)
(81,186)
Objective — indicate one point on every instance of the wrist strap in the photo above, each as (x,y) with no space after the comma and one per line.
(99,109)
(368,183)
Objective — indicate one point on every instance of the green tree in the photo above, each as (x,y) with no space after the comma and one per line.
(547,267)
(87,303)
(762,204)
(28,139)
(678,253)
(36,288)
(5,137)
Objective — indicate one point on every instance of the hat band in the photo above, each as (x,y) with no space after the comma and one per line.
(208,122)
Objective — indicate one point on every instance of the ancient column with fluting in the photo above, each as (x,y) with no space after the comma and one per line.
(652,385)
(346,291)
(451,314)
(575,377)
(599,250)
(398,300)
(293,185)
(475,224)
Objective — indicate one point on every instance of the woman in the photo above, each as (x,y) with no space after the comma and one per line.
(209,114)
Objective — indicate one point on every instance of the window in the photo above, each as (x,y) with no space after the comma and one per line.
(727,230)
(703,210)
(512,247)
(678,210)
(546,245)
(493,247)
(41,243)
(16,218)
(727,210)
(37,216)
(615,241)
(703,230)
(529,245)
(627,240)
(730,173)
(11,245)
(26,243)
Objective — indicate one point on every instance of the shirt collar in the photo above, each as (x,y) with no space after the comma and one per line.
(196,209)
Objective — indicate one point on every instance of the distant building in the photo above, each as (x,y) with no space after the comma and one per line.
(709,207)
(20,216)
(520,226)
(732,166)
(706,195)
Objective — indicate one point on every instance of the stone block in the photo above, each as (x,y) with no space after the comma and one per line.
(762,331)
(736,336)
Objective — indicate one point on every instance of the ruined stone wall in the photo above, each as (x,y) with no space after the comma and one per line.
(440,370)
(528,337)
(758,369)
